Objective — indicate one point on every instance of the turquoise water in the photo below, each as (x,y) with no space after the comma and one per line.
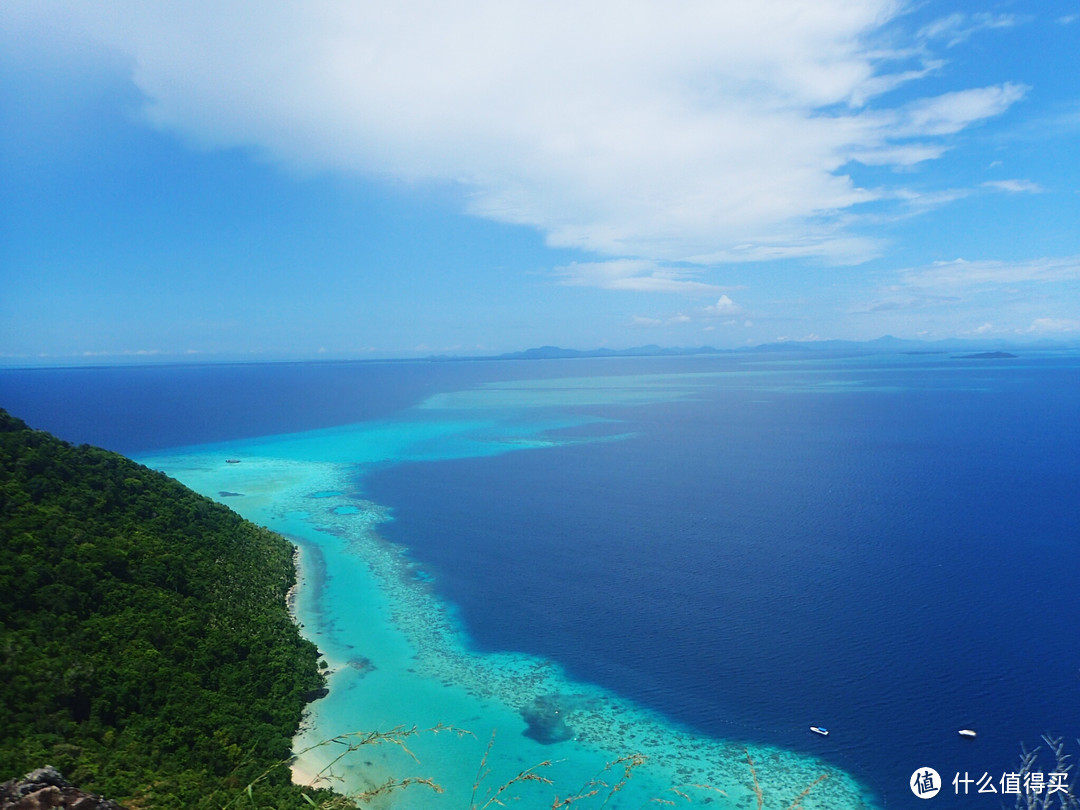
(399,657)
(682,554)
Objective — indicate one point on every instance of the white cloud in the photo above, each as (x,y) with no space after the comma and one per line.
(895,299)
(957,28)
(629,129)
(886,82)
(124,353)
(635,275)
(648,322)
(949,113)
(724,306)
(960,273)
(831,244)
(908,154)
(1015,186)
(995,296)
(1053,326)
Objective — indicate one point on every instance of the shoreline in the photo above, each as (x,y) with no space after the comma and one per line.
(398,659)
(294,589)
(300,771)
(305,770)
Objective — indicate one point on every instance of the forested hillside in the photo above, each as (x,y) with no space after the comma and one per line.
(145,646)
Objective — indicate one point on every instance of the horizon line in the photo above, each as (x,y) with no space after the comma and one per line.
(147,359)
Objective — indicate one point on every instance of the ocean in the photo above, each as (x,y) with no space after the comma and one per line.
(691,558)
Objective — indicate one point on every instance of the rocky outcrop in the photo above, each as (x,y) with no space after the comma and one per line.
(44,789)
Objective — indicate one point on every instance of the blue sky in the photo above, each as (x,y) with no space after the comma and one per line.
(334,179)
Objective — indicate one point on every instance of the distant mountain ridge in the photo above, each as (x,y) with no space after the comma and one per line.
(886,343)
(557,353)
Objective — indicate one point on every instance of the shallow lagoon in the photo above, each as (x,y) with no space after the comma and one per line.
(400,657)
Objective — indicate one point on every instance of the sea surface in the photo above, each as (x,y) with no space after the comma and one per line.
(695,559)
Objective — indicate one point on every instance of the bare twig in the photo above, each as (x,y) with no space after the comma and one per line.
(351,743)
(1046,798)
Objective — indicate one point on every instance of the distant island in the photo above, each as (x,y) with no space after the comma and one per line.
(884,344)
(557,353)
(986,356)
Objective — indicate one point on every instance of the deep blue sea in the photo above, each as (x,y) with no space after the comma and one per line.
(885,545)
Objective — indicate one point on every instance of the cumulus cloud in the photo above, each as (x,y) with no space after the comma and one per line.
(724,306)
(630,130)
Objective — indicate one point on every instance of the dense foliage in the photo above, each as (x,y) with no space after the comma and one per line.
(145,646)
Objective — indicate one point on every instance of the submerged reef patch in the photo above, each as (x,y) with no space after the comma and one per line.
(545,720)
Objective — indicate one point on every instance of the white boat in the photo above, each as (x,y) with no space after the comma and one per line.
(967,732)
(824,732)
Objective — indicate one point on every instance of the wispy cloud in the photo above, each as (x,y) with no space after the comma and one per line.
(895,299)
(635,275)
(1015,186)
(125,353)
(949,113)
(998,284)
(964,274)
(648,322)
(959,27)
(1053,326)
(918,132)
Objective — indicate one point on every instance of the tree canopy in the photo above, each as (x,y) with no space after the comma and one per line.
(146,649)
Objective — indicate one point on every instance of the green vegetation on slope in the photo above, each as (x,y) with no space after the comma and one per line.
(145,646)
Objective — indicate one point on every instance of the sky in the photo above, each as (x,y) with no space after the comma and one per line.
(249,179)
